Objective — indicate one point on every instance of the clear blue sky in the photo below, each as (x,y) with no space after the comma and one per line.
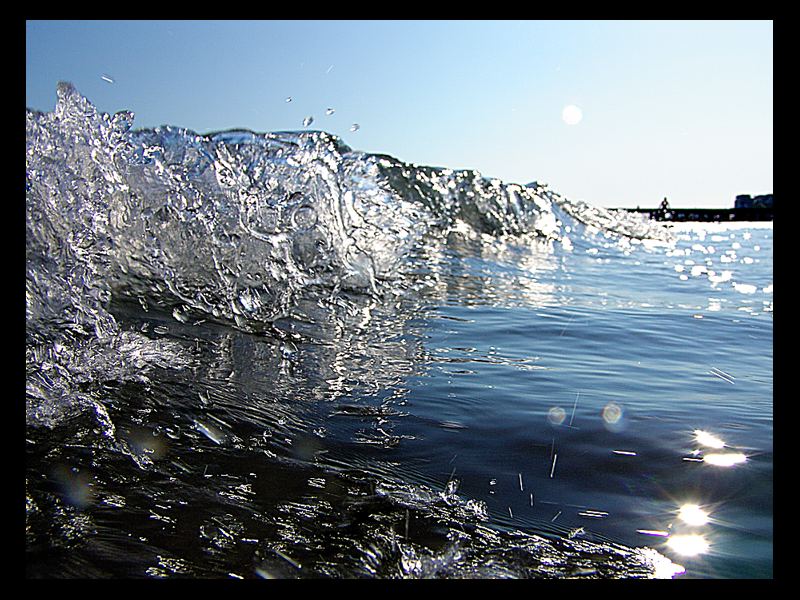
(681,109)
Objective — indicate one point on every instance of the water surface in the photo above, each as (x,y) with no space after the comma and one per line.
(268,355)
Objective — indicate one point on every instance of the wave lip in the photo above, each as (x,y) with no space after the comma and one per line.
(239,225)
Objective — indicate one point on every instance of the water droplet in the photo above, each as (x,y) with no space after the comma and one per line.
(304,217)
(122,121)
(288,98)
(311,250)
(107,78)
(288,349)
(355,127)
(308,121)
(264,219)
(329,111)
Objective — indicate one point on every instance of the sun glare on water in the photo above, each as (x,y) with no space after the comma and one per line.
(692,514)
(688,545)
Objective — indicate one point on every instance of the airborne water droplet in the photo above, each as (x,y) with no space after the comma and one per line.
(308,121)
(288,98)
(304,217)
(330,111)
(288,349)
(355,127)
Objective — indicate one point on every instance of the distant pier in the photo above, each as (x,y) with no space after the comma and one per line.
(745,208)
(706,214)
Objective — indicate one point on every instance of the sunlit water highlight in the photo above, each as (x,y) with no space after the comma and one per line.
(271,356)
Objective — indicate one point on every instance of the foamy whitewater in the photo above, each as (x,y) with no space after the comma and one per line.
(268,355)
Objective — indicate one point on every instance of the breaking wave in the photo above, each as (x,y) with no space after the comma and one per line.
(325,257)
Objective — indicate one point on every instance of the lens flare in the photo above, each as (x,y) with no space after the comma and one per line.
(612,417)
(556,415)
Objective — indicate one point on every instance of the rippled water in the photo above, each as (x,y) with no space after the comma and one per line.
(266,355)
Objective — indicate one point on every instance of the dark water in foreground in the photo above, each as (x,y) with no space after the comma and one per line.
(590,395)
(215,392)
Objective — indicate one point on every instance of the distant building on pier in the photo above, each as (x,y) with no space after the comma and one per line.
(748,201)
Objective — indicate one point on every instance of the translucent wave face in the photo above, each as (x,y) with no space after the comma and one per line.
(238,225)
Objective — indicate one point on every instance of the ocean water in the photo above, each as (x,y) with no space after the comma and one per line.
(270,356)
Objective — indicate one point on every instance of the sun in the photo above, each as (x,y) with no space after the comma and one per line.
(572,114)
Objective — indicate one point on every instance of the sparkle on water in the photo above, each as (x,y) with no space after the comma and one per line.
(705,438)
(689,544)
(727,459)
(692,514)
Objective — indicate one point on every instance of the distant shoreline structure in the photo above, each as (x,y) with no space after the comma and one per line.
(745,208)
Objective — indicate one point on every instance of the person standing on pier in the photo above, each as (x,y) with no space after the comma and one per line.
(662,209)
